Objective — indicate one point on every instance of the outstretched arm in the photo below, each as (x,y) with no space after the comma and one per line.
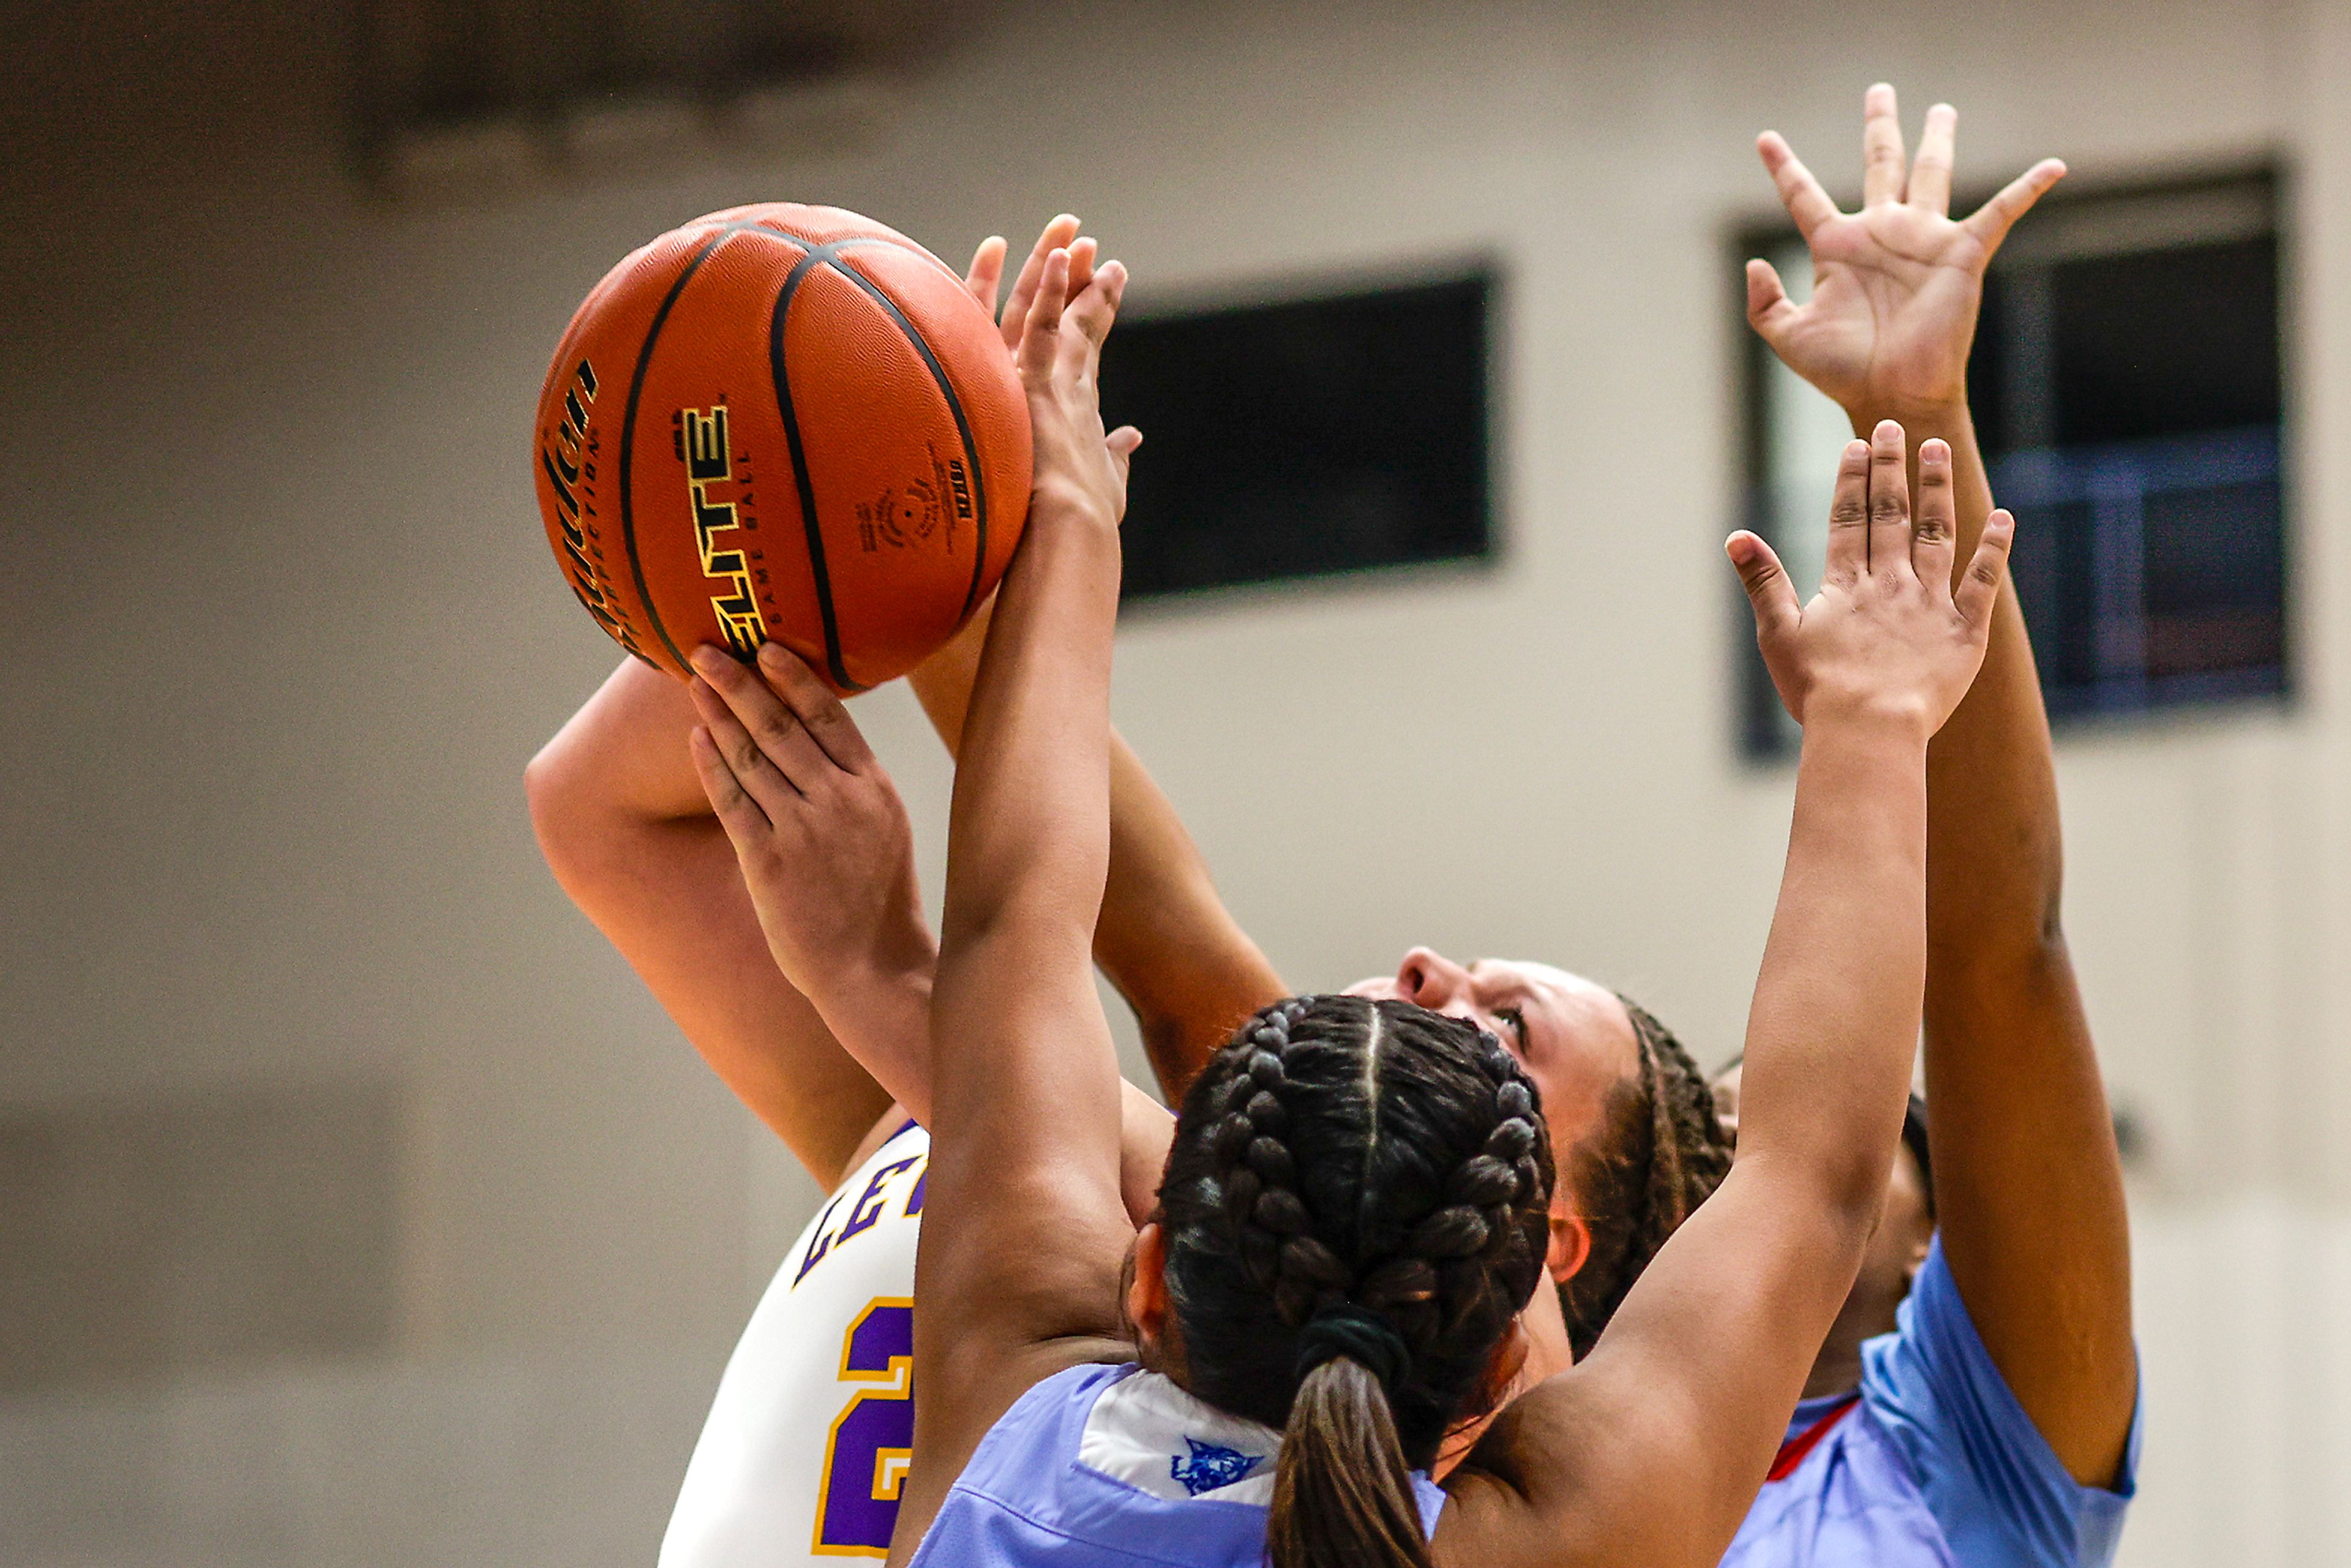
(627,832)
(1023,1237)
(2028,1182)
(1166,940)
(1651,1450)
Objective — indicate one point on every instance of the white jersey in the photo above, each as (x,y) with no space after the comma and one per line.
(809,1437)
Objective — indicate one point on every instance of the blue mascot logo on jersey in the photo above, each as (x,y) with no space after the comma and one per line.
(1211,1466)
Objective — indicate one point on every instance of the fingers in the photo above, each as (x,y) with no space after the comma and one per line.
(1041,329)
(1992,222)
(1768,591)
(738,812)
(1082,251)
(1057,235)
(1980,590)
(986,274)
(1930,172)
(822,716)
(1802,195)
(1934,537)
(1848,551)
(758,736)
(1769,309)
(1883,167)
(1092,313)
(1889,500)
(1122,443)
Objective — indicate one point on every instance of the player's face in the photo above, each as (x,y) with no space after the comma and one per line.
(1573,1038)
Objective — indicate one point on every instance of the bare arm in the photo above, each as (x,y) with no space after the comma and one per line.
(2028,1181)
(629,835)
(1651,1450)
(1023,1238)
(1166,940)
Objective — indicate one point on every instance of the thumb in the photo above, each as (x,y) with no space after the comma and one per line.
(1769,309)
(1768,591)
(1122,443)
(1980,588)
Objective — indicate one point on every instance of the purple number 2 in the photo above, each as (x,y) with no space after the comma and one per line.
(872,1438)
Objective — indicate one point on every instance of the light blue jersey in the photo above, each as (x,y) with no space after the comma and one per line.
(1113,1467)
(1934,1465)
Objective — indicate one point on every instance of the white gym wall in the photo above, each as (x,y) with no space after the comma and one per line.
(282,630)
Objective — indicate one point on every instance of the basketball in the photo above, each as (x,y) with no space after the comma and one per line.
(783,423)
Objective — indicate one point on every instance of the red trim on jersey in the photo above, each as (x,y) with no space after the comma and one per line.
(1793,1451)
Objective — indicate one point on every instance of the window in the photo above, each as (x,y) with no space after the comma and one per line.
(2126,390)
(1304,438)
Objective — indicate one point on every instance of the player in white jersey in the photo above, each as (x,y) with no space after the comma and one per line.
(806,1444)
(797,1453)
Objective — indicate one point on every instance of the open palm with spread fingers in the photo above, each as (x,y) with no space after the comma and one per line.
(1895,286)
(1887,633)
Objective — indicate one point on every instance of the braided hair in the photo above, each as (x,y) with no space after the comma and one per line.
(1356,1207)
(1659,1152)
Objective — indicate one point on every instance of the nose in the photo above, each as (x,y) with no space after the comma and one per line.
(1429,979)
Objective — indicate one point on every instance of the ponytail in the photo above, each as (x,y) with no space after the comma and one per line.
(1341,1495)
(1356,1206)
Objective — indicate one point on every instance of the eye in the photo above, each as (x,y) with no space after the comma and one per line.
(1515,1021)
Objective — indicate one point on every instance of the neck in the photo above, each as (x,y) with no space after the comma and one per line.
(1837,1371)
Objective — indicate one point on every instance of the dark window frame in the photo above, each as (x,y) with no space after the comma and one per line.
(1763,736)
(1484,269)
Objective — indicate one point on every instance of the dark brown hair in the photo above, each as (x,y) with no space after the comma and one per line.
(1659,1152)
(1356,1208)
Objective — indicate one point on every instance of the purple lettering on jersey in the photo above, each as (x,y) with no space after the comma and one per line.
(821,1246)
(873,1439)
(868,1208)
(915,1198)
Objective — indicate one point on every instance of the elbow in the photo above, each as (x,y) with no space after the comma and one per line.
(554,792)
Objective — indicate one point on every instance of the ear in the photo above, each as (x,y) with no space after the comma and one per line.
(1570,1243)
(1146,1288)
(1917,1258)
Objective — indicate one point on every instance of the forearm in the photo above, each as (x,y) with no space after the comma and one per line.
(1164,938)
(1995,858)
(1028,823)
(1835,1019)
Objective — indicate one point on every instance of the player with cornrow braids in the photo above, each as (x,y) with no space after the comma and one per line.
(1060,1418)
(1354,1208)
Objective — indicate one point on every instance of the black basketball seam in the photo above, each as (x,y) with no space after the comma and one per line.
(963,425)
(827,254)
(629,435)
(818,574)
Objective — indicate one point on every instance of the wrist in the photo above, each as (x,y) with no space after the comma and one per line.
(1867,715)
(1918,417)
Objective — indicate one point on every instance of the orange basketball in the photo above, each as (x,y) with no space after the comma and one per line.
(788,423)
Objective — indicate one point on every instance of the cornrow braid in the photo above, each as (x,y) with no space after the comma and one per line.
(1660,1151)
(1344,1157)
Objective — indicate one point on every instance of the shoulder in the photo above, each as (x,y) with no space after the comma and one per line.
(1072,1474)
(1985,1471)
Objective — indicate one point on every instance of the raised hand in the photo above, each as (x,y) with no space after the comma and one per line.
(816,825)
(1080,470)
(1886,634)
(985,277)
(1895,286)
